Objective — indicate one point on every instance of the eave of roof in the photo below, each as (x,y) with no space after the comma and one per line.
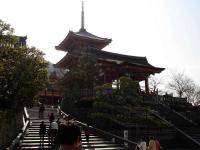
(82,35)
(85,34)
(118,57)
(121,58)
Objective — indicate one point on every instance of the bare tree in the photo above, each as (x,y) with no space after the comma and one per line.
(196,97)
(154,83)
(182,85)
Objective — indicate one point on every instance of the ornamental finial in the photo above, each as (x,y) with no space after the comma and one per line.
(82,17)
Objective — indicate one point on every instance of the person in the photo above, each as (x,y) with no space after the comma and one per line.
(51,118)
(141,145)
(69,137)
(42,132)
(137,147)
(87,133)
(41,111)
(158,146)
(152,144)
(54,129)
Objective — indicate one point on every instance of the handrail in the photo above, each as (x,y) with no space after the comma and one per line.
(188,136)
(180,115)
(26,113)
(177,113)
(105,133)
(26,123)
(177,129)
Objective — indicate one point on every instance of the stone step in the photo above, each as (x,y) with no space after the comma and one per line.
(107,148)
(34,144)
(99,145)
(93,139)
(33,132)
(31,140)
(95,142)
(34,140)
(35,135)
(35,148)
(91,136)
(38,123)
(37,127)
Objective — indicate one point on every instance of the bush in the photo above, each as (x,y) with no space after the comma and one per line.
(85,103)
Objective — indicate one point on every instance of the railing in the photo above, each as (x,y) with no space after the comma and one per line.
(160,101)
(192,140)
(26,123)
(178,114)
(105,134)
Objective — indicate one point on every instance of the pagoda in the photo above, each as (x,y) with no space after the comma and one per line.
(111,66)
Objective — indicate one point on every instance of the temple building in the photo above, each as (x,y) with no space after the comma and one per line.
(110,65)
(12,41)
(52,94)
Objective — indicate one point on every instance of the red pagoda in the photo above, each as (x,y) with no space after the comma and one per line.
(111,66)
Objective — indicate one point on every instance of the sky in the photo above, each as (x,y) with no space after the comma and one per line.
(167,32)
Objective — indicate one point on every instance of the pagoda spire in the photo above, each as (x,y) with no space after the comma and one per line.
(82,17)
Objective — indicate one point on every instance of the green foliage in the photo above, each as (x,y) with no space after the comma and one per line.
(85,102)
(119,100)
(5,29)
(121,106)
(80,76)
(125,94)
(87,71)
(23,72)
(104,120)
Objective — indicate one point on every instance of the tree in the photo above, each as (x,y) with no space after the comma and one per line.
(119,100)
(23,71)
(197,96)
(154,82)
(79,76)
(181,84)
(193,95)
(5,28)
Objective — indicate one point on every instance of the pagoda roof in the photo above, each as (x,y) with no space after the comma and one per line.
(84,36)
(111,57)
(121,58)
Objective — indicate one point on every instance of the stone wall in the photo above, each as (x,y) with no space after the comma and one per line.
(10,126)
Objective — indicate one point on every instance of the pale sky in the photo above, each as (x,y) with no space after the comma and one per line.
(167,32)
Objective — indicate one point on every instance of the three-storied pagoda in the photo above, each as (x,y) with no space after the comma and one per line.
(111,66)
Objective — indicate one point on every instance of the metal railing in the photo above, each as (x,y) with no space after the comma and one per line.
(177,113)
(105,134)
(26,123)
(195,142)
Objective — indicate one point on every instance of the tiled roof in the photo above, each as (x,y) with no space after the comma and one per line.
(120,58)
(84,33)
(54,70)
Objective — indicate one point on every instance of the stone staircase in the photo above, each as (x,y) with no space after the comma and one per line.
(98,143)
(31,140)
(182,124)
